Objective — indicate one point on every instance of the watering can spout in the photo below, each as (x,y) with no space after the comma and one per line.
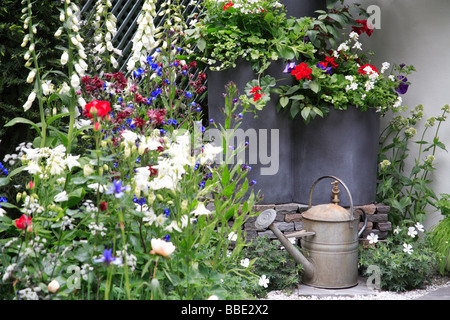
(265,221)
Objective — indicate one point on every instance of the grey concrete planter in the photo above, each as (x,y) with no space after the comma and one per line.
(345,144)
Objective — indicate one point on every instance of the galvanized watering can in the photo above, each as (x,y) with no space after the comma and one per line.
(329,241)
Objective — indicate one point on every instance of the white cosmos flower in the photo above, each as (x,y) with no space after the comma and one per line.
(419,227)
(232,236)
(245,262)
(407,248)
(412,232)
(373,238)
(263,281)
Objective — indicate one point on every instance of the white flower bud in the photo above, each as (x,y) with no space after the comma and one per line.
(53,286)
(31,76)
(64,58)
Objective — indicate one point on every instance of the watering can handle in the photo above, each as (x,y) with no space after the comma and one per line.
(365,221)
(337,179)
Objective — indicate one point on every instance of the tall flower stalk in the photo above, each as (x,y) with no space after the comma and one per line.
(35,74)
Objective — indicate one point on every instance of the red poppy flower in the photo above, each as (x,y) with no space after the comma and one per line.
(228,5)
(23,222)
(302,71)
(101,108)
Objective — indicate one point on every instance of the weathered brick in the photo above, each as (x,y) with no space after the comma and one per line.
(382,208)
(369,225)
(368,209)
(262,207)
(384,226)
(377,217)
(287,207)
(284,226)
(293,217)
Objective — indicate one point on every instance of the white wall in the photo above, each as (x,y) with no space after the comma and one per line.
(417,32)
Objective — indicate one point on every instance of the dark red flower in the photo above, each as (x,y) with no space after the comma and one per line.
(364,28)
(153,171)
(103,206)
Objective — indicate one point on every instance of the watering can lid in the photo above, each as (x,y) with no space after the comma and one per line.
(328,212)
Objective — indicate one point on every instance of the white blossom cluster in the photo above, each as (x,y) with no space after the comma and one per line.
(71,17)
(144,39)
(97,228)
(103,40)
(56,161)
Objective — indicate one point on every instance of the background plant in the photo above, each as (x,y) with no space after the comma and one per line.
(406,187)
(274,262)
(257,31)
(406,259)
(440,235)
(338,77)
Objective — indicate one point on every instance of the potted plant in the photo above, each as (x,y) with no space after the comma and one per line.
(336,96)
(247,42)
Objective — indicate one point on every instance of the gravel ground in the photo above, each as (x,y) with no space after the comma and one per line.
(436,283)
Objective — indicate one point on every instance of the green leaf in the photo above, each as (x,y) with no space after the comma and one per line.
(284,101)
(25,121)
(225,175)
(306,113)
(201,44)
(4,181)
(75,197)
(314,86)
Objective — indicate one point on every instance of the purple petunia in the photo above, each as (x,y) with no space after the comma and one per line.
(289,67)
(403,85)
(327,70)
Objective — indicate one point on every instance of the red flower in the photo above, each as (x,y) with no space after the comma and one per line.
(153,171)
(257,95)
(23,222)
(228,6)
(363,72)
(103,206)
(364,28)
(101,108)
(330,60)
(302,71)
